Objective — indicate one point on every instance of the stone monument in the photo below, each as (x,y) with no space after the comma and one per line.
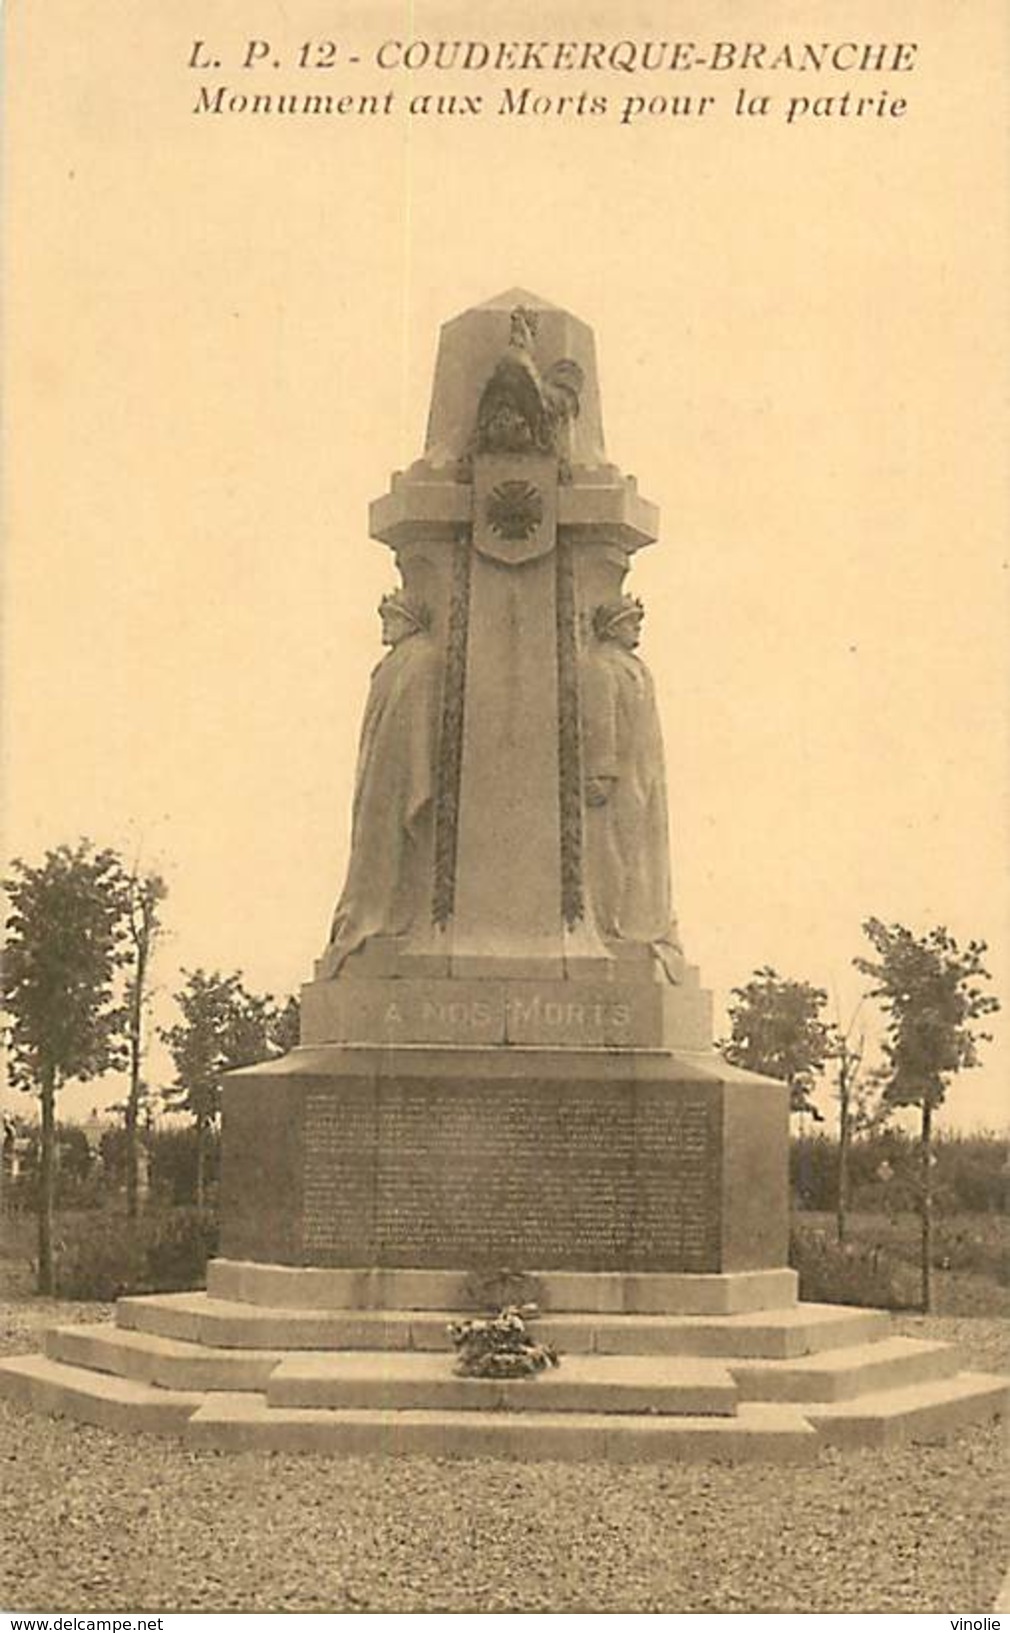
(505,1086)
(506,1056)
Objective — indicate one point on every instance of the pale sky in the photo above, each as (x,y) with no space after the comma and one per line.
(220,340)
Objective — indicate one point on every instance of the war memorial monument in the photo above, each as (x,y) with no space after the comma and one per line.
(506,1085)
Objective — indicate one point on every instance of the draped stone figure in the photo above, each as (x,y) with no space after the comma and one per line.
(627,836)
(389,872)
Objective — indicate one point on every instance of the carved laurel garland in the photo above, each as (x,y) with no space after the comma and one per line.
(569,741)
(450,752)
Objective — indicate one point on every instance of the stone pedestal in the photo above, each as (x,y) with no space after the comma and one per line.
(506,1060)
(531,1159)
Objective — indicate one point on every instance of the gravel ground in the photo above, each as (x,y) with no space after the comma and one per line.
(93,1521)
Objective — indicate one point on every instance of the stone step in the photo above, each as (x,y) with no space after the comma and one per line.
(802,1329)
(760,1433)
(759,1430)
(919,1412)
(168,1315)
(412,1381)
(95,1397)
(199,1319)
(832,1375)
(171,1363)
(795,1330)
(836,1375)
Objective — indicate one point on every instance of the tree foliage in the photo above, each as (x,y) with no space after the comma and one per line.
(223,1027)
(65,946)
(930,992)
(776,1028)
(285,1033)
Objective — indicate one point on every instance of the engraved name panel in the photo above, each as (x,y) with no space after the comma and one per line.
(677,1189)
(518,1174)
(503,1176)
(338,1184)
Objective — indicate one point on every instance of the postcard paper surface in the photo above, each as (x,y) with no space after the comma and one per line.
(231,234)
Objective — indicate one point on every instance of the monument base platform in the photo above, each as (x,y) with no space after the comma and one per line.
(430,1157)
(301,1373)
(553,1291)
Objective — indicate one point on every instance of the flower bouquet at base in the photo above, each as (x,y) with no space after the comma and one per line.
(500,1346)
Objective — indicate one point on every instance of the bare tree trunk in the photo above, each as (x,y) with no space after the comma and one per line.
(131,1156)
(47,1171)
(133,1098)
(201,1145)
(844,1139)
(926,1204)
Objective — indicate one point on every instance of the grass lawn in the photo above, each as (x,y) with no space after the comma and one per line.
(971,1256)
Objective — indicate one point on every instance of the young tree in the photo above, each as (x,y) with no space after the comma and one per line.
(223,1027)
(286,1026)
(849,1059)
(929,991)
(64,948)
(142,898)
(776,1029)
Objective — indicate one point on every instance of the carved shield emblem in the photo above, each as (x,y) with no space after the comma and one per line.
(515,506)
